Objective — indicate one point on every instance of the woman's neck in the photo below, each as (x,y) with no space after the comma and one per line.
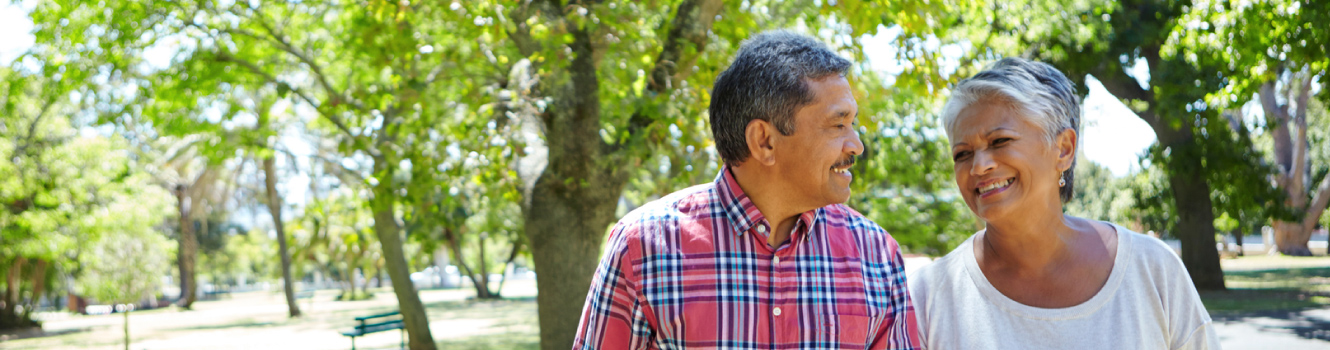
(1029,243)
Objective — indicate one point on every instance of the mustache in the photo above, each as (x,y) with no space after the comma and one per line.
(848,161)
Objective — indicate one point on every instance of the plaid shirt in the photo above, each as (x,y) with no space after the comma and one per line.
(693,270)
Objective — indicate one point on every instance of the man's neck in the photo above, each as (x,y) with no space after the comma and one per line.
(766,193)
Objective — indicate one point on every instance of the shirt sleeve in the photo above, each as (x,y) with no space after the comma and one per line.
(900,330)
(615,315)
(1203,338)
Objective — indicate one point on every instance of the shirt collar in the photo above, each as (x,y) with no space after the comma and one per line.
(741,211)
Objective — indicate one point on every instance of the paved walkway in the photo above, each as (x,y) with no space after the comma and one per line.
(1308,329)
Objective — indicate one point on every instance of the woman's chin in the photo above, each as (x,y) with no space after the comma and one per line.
(997,212)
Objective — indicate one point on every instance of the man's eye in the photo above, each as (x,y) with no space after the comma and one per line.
(1001,141)
(960,156)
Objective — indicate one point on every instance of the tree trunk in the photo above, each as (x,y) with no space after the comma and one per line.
(275,208)
(512,255)
(126,328)
(573,201)
(455,246)
(1195,227)
(1237,238)
(38,287)
(566,228)
(483,288)
(390,240)
(12,281)
(188,250)
(1291,239)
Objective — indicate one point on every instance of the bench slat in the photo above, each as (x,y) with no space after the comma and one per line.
(362,318)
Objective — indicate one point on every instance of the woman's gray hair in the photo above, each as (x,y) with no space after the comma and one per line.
(1035,90)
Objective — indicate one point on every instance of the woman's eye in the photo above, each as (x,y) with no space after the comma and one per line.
(1001,141)
(960,155)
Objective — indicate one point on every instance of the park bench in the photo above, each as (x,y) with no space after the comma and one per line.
(376,323)
(305,294)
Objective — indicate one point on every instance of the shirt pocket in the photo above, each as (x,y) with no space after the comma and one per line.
(845,329)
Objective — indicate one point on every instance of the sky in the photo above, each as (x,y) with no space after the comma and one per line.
(1112,135)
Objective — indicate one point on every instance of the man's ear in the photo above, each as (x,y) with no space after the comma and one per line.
(761,146)
(1066,146)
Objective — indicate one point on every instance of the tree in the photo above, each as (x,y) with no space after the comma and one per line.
(62,188)
(1275,66)
(371,86)
(125,270)
(596,131)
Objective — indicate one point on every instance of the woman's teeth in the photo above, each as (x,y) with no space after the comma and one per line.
(996,185)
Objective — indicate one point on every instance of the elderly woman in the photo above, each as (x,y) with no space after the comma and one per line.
(1034,277)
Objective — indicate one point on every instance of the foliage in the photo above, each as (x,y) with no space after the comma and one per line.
(239,257)
(63,187)
(125,267)
(1099,195)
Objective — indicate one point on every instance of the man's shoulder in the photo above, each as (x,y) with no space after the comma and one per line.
(680,205)
(843,215)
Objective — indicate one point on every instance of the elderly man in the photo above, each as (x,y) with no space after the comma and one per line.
(764,257)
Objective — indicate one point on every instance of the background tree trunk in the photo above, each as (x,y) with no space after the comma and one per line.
(38,287)
(275,208)
(188,248)
(1195,227)
(390,240)
(126,329)
(12,281)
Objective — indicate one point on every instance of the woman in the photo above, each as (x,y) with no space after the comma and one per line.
(1036,278)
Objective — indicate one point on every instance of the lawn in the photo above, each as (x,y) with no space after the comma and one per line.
(1272,283)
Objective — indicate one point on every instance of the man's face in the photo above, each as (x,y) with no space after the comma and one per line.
(815,160)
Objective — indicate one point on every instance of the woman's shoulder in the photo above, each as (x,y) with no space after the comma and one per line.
(1147,248)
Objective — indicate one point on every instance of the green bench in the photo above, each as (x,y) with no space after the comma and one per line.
(377,323)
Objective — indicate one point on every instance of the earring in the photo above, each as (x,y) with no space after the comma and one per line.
(1062,180)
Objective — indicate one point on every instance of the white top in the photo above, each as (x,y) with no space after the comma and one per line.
(1148,302)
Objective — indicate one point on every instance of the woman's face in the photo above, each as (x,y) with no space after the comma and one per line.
(1003,166)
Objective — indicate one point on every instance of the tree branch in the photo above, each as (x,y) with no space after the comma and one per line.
(1125,87)
(692,21)
(327,114)
(285,44)
(1317,206)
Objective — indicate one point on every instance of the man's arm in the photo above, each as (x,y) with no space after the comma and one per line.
(900,330)
(615,316)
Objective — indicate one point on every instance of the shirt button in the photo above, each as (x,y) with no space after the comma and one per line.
(775,260)
(762,228)
(776,312)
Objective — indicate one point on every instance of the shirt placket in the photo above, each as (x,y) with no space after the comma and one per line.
(783,312)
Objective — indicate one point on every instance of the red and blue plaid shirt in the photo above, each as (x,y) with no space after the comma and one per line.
(693,270)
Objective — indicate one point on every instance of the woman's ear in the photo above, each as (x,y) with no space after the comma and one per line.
(759,136)
(1066,147)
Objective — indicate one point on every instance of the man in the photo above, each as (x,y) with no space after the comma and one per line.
(765,257)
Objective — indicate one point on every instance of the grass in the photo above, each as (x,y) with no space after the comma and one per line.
(1271,283)
(512,323)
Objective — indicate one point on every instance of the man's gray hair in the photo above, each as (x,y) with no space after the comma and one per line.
(767,81)
(1035,90)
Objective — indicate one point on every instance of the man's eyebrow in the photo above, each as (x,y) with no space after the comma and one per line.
(843,114)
